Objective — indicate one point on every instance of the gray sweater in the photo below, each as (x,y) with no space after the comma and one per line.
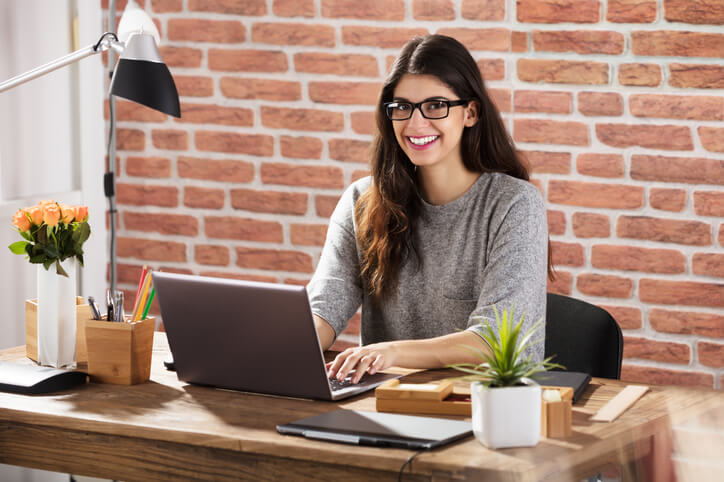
(488,247)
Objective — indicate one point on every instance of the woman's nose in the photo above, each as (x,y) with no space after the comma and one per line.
(417,117)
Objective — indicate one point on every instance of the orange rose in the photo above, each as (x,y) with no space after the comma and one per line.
(51,214)
(36,215)
(81,213)
(21,221)
(67,213)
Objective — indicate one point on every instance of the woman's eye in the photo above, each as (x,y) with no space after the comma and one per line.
(402,107)
(436,105)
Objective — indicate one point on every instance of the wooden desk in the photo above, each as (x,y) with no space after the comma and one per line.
(168,430)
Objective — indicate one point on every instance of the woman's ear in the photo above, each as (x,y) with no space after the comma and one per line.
(472,113)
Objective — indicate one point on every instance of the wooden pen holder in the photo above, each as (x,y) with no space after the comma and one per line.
(555,417)
(119,352)
(82,313)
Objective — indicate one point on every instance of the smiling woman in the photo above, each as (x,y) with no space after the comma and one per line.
(446,227)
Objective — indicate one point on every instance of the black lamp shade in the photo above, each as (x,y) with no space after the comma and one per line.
(148,83)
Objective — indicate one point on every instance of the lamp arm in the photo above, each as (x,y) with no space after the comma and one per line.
(103,44)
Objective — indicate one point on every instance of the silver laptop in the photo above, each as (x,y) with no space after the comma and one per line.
(248,336)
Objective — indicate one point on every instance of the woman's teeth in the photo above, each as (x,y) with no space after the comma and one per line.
(421,141)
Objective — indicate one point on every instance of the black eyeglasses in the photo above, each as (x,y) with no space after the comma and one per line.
(430,109)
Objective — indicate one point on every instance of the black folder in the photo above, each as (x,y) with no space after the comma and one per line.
(34,379)
(578,381)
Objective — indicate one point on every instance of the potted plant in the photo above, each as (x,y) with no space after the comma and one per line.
(506,402)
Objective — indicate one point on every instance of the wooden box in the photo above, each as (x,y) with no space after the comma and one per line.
(431,398)
(119,352)
(555,417)
(83,313)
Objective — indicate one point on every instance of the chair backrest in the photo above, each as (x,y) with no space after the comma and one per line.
(583,337)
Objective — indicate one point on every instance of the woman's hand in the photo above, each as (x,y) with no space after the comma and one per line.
(361,359)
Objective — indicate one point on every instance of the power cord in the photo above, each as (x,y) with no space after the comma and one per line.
(408,461)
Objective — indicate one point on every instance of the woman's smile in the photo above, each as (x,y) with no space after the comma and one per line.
(422,142)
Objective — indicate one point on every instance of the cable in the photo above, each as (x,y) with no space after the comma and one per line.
(408,461)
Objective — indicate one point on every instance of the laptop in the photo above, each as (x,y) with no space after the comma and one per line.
(379,429)
(248,336)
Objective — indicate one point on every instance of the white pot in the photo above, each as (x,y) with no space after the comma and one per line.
(507,416)
(56,315)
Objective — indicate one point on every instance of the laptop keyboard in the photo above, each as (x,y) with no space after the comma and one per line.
(340,384)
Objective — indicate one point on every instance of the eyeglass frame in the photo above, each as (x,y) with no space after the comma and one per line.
(418,106)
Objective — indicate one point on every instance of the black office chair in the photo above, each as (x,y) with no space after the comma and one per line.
(583,337)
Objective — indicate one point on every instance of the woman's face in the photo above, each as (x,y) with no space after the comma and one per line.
(430,142)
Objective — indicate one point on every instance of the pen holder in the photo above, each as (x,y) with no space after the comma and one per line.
(119,352)
(556,416)
(82,312)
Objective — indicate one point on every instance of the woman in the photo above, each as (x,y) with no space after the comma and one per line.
(446,227)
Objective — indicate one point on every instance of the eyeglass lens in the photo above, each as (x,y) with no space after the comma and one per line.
(430,109)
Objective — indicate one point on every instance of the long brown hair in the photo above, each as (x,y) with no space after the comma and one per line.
(387,211)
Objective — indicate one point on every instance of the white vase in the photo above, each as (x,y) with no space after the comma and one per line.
(57,315)
(506,416)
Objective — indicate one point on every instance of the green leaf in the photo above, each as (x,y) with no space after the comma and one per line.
(81,233)
(59,269)
(18,247)
(47,263)
(27,235)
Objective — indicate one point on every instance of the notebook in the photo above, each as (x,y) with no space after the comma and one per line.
(35,379)
(578,381)
(379,429)
(247,336)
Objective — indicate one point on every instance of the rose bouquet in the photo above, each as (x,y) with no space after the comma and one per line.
(53,232)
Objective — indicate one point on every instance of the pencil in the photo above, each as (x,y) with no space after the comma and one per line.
(144,294)
(140,286)
(148,303)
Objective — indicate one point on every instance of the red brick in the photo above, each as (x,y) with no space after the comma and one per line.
(170,139)
(558,11)
(664,230)
(687,293)
(708,264)
(590,225)
(295,281)
(561,284)
(247,60)
(543,101)
(131,111)
(579,41)
(568,254)
(354,325)
(350,150)
(595,195)
(662,376)
(363,122)
(232,227)
(491,69)
(194,85)
(687,323)
(338,64)
(677,43)
(632,258)
(367,10)
(128,273)
(490,10)
(236,7)
(130,139)
(148,167)
(667,137)
(712,138)
(163,6)
(673,200)
(600,165)
(556,222)
(359,174)
(434,10)
(245,277)
(203,197)
(324,205)
(696,76)
(661,351)
(198,30)
(639,74)
(364,93)
(609,286)
(277,202)
(254,144)
(301,147)
(691,170)
(600,103)
(326,177)
(386,38)
(501,98)
(496,39)
(294,8)
(302,119)
(293,34)
(548,131)
(548,162)
(151,250)
(266,89)
(164,223)
(631,11)
(627,318)
(699,11)
(223,170)
(271,259)
(709,203)
(677,106)
(216,114)
(710,354)
(519,41)
(211,255)
(308,234)
(562,71)
(181,56)
(341,345)
(147,195)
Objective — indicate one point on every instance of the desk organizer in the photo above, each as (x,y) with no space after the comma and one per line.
(119,352)
(432,398)
(83,313)
(555,417)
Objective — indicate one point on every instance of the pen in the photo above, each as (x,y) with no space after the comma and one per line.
(109,305)
(118,315)
(94,308)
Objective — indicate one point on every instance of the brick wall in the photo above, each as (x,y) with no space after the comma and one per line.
(617,104)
